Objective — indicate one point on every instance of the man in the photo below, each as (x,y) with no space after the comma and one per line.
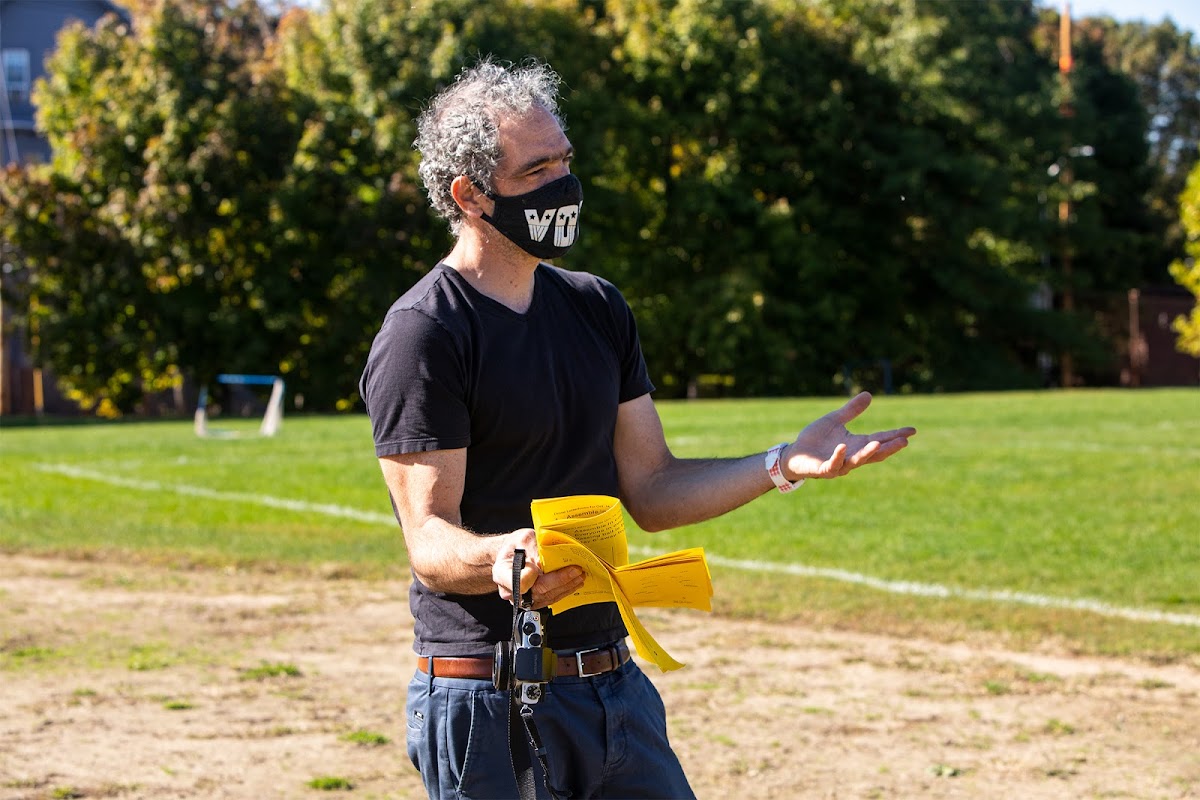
(498,379)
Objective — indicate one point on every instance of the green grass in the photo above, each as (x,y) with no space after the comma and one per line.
(366,738)
(1082,494)
(329,783)
(315,460)
(267,671)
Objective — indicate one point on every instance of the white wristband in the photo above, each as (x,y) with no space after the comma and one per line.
(776,471)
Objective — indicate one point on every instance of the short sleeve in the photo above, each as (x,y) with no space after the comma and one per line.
(414,387)
(635,377)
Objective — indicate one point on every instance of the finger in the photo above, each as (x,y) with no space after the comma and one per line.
(867,454)
(502,577)
(526,539)
(854,406)
(556,585)
(833,464)
(529,577)
(523,539)
(889,449)
(897,433)
(881,451)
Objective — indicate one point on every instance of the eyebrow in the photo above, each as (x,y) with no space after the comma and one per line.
(537,162)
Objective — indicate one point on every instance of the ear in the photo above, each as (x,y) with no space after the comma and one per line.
(470,198)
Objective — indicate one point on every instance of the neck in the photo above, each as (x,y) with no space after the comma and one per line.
(500,270)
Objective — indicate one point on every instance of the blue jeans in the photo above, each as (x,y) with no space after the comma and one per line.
(605,737)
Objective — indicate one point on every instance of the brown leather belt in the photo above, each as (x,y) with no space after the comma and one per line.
(584,663)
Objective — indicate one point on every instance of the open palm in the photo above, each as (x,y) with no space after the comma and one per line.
(826,449)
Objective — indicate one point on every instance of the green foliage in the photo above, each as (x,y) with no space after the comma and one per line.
(354,225)
(89,310)
(174,138)
(782,190)
(743,163)
(1164,63)
(1115,239)
(971,124)
(1187,272)
(200,215)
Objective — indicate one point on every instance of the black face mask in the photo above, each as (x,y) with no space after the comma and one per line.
(544,222)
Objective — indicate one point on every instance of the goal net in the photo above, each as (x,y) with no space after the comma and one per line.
(243,399)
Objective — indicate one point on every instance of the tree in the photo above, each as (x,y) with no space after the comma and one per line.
(1112,239)
(707,197)
(1186,271)
(167,142)
(82,290)
(224,219)
(1163,61)
(366,67)
(784,191)
(973,127)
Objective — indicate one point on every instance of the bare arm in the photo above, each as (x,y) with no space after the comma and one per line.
(662,491)
(427,489)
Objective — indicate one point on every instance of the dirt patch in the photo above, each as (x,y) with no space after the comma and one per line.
(131,681)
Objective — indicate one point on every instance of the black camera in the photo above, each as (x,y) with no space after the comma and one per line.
(524,664)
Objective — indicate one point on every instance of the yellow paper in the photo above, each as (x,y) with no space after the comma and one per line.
(558,550)
(589,531)
(674,580)
(593,520)
(645,644)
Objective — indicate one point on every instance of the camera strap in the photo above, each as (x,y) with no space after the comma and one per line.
(520,715)
(519,753)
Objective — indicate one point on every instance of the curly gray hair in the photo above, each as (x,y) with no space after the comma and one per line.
(458,134)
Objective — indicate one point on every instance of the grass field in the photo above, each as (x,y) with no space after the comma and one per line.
(1011,506)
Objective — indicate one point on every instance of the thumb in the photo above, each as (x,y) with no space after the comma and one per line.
(854,407)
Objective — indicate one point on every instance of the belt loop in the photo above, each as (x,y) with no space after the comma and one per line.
(429,686)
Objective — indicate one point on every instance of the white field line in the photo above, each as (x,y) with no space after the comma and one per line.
(326,509)
(937,590)
(801,570)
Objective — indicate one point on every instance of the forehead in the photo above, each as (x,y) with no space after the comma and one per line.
(530,137)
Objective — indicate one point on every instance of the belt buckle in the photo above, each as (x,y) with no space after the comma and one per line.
(579,661)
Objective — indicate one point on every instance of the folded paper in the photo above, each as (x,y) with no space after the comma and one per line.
(588,531)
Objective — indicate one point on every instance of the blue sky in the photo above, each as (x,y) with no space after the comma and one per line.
(1184,13)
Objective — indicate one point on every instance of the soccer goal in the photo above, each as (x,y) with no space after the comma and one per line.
(244,401)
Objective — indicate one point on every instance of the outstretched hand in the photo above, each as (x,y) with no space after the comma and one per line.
(826,449)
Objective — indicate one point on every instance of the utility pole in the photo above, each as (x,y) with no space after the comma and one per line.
(1066,175)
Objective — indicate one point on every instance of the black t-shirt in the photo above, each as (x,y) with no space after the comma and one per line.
(533,397)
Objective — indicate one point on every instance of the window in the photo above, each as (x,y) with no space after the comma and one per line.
(16,75)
